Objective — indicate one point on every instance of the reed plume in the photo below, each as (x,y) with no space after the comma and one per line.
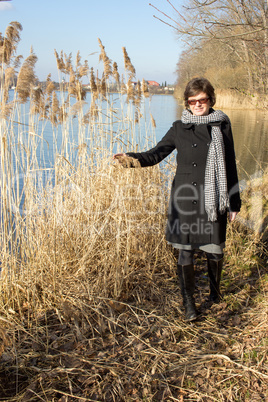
(103,87)
(37,104)
(94,110)
(93,85)
(78,60)
(60,62)
(9,43)
(123,86)
(116,73)
(9,76)
(62,114)
(7,109)
(106,61)
(68,63)
(144,88)
(26,78)
(80,91)
(77,108)
(138,94)
(130,90)
(153,121)
(72,82)
(86,118)
(54,111)
(83,69)
(48,91)
(50,86)
(17,61)
(137,102)
(128,65)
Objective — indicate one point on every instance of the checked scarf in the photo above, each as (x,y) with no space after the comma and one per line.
(215,184)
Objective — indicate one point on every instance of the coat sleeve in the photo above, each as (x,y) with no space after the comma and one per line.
(155,155)
(231,169)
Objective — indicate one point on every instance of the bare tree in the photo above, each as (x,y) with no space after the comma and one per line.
(237,26)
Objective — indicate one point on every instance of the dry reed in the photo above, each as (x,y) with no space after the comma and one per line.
(116,73)
(106,61)
(26,78)
(89,307)
(128,65)
(93,85)
(9,43)
(59,61)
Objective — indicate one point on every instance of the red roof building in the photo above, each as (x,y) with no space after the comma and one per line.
(153,83)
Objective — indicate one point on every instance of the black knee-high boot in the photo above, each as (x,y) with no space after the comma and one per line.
(214,273)
(187,284)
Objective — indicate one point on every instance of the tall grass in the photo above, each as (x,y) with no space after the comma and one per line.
(88,302)
(73,219)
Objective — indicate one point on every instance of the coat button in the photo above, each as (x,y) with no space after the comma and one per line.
(194,183)
(194,202)
(194,164)
(194,145)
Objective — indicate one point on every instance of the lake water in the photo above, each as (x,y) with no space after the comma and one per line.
(250,129)
(250,132)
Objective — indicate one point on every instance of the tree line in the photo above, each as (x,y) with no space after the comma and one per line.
(225,40)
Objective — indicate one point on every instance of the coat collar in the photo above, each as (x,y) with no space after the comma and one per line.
(190,125)
(187,125)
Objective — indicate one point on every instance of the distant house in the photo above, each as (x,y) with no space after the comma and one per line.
(153,83)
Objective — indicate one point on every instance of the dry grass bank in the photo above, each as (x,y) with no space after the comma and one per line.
(232,99)
(103,323)
(89,305)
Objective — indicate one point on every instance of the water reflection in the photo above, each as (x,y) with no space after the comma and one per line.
(250,128)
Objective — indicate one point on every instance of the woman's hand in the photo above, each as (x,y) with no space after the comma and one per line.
(119,156)
(126,161)
(232,216)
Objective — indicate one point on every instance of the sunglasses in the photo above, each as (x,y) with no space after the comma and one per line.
(194,101)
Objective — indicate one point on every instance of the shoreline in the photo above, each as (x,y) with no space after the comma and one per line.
(233,99)
(236,100)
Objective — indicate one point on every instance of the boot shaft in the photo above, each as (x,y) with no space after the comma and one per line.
(187,284)
(214,273)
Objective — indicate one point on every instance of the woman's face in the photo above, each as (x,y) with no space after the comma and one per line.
(198,108)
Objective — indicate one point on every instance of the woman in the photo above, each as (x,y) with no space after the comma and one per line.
(204,188)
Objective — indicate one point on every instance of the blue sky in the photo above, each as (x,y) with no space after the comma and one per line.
(76,25)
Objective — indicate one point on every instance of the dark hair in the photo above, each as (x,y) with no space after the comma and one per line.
(197,85)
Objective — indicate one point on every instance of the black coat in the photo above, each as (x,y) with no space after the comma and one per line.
(187,219)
